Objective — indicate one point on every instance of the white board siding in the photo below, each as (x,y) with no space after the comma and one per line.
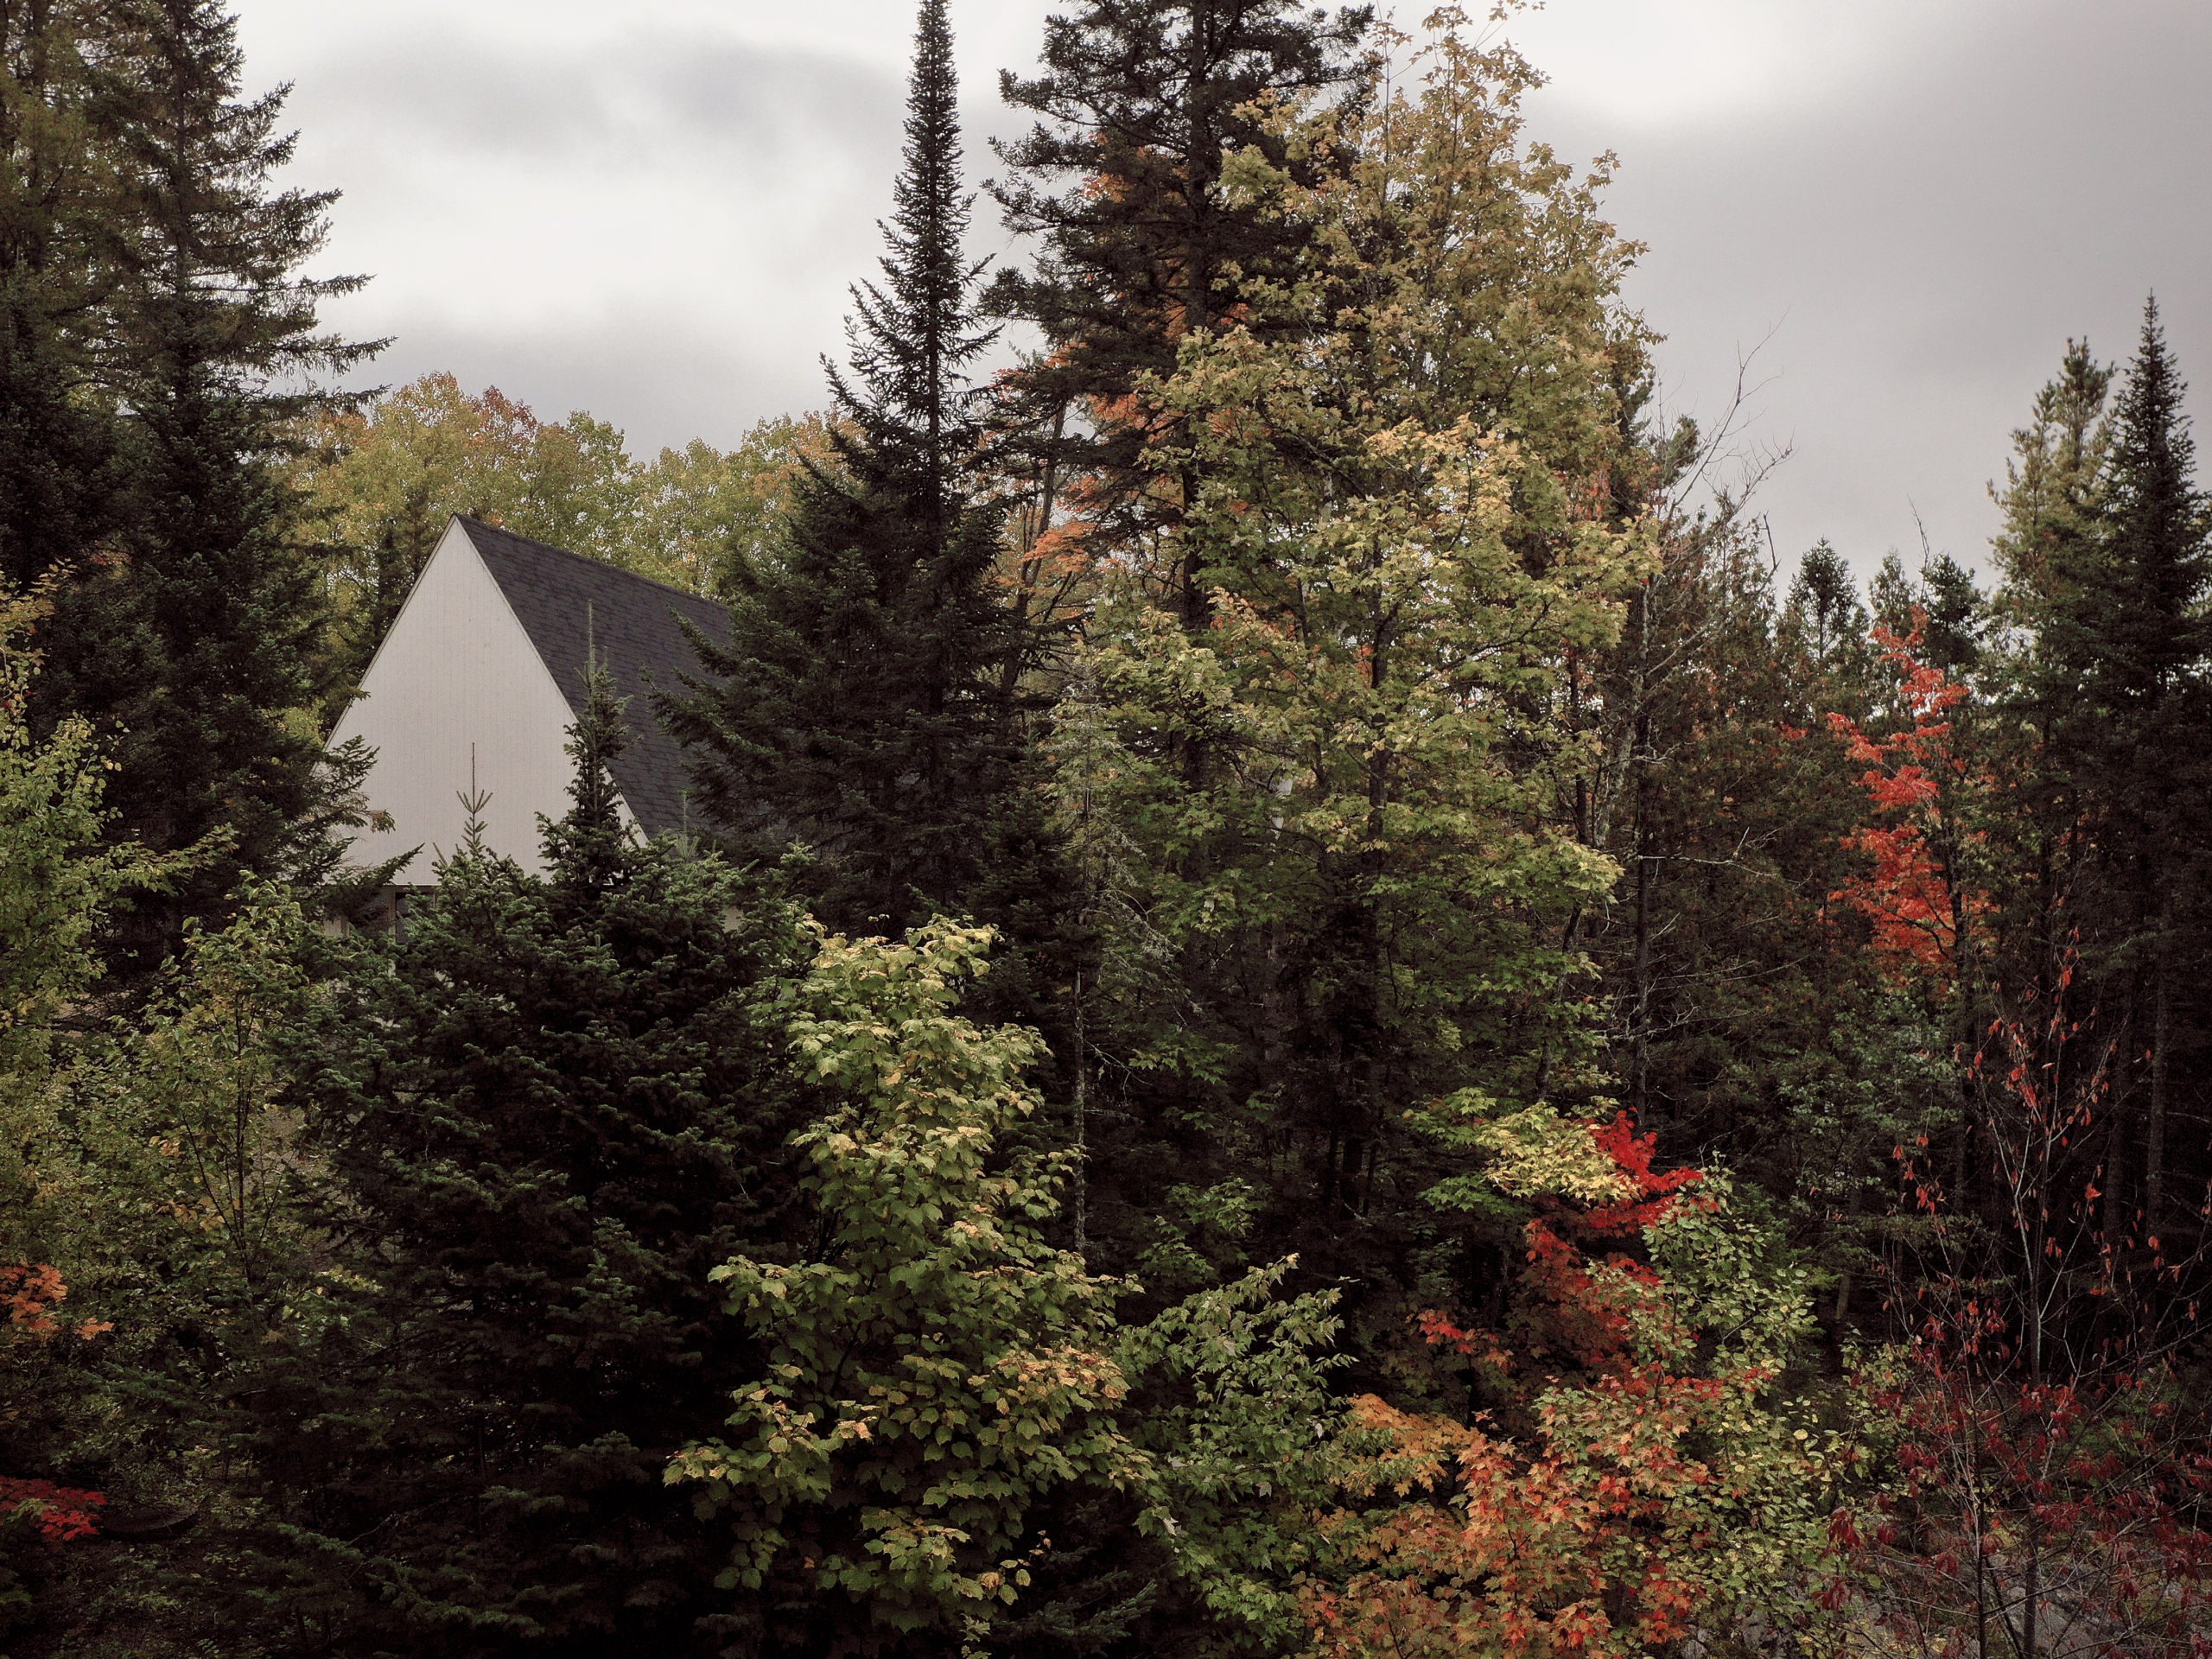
(455,680)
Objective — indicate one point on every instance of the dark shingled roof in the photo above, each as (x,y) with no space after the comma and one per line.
(571,606)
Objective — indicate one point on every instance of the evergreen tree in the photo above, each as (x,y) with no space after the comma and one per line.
(1140,105)
(2132,633)
(854,706)
(191,641)
(1825,619)
(2053,482)
(2159,567)
(2046,551)
(1954,614)
(1748,1024)
(554,1106)
(58,475)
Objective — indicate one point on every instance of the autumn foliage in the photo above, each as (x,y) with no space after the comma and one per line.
(30,1292)
(2047,1461)
(50,1513)
(1651,1482)
(61,1514)
(1914,894)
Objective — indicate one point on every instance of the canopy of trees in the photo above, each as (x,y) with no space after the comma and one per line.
(1319,1014)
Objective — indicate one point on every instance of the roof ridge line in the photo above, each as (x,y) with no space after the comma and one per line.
(470,519)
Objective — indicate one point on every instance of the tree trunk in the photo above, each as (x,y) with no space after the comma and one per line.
(2161,1018)
(1639,1067)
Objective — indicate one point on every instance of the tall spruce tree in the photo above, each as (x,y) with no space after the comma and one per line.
(2048,548)
(554,1107)
(2134,632)
(58,445)
(855,706)
(189,637)
(1825,617)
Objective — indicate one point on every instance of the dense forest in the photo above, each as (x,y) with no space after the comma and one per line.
(1317,1010)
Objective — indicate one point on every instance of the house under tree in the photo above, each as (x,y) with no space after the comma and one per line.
(471,693)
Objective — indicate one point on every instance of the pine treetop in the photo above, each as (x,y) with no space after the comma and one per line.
(1139,104)
(585,848)
(2144,613)
(855,707)
(914,333)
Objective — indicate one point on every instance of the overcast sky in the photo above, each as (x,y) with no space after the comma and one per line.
(651,210)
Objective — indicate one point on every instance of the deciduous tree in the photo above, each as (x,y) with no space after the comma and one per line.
(1338,887)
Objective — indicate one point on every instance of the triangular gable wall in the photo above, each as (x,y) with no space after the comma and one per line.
(457,689)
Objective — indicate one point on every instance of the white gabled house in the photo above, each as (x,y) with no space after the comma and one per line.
(482,675)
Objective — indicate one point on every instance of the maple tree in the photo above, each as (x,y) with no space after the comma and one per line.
(1327,863)
(57,885)
(1639,1470)
(953,1420)
(935,1368)
(1920,896)
(61,1514)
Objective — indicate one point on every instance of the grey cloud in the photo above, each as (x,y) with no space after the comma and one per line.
(664,380)
(807,139)
(1920,247)
(1922,254)
(668,95)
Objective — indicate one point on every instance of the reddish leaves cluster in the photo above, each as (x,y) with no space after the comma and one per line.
(2053,1464)
(1584,1301)
(1913,898)
(1653,1190)
(2065,1511)
(61,1514)
(1495,1552)
(30,1291)
(1461,1541)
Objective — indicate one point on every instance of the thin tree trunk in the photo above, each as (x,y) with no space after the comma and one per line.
(1028,574)
(1853,1202)
(1640,987)
(1082,1125)
(2161,1018)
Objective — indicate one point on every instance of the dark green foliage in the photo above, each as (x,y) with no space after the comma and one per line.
(212,321)
(1954,615)
(2125,632)
(854,706)
(1749,1027)
(158,334)
(2051,501)
(554,1107)
(59,478)
(1825,617)
(1501,790)
(2146,601)
(1139,104)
